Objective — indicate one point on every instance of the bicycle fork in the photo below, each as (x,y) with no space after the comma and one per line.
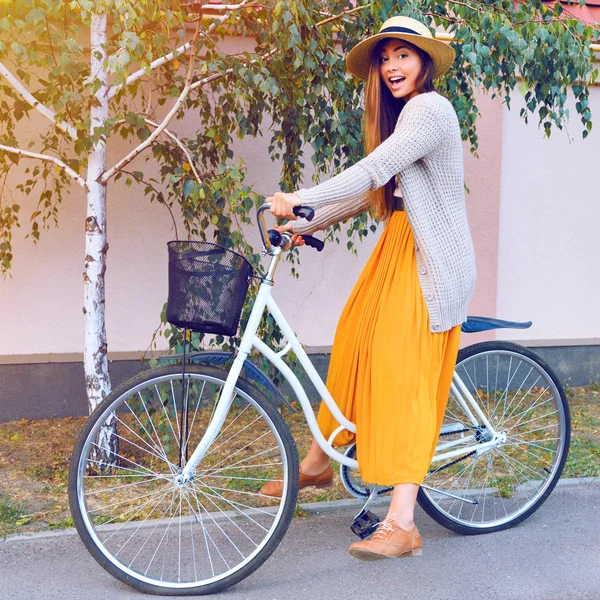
(227,394)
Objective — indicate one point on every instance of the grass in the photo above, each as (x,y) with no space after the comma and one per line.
(34,462)
(584,454)
(11,514)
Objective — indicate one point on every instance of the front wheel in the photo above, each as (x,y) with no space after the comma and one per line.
(490,484)
(147,526)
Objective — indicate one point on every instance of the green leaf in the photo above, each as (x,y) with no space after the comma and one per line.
(188,187)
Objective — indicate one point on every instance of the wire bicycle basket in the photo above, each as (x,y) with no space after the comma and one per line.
(207,287)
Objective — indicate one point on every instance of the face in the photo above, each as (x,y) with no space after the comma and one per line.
(399,67)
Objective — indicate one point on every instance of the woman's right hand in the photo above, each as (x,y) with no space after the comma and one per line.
(287,228)
(282,204)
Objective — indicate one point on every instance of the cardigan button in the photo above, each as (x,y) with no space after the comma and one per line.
(436,327)
(428,296)
(423,270)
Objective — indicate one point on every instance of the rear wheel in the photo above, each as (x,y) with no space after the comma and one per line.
(488,489)
(152,530)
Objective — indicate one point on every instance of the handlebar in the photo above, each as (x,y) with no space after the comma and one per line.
(272,237)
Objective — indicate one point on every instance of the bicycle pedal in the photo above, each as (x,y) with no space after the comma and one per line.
(365,523)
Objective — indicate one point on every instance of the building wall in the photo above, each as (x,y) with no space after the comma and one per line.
(531,208)
(41,303)
(549,246)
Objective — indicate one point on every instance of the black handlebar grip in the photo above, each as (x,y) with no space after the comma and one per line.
(304,212)
(309,240)
(313,242)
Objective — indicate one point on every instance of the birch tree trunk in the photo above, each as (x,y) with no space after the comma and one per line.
(95,363)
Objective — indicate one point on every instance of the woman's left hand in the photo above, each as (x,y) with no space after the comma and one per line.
(287,228)
(282,204)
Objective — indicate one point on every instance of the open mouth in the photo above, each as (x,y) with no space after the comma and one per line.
(396,82)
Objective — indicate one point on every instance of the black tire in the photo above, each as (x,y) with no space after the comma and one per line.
(89,495)
(510,463)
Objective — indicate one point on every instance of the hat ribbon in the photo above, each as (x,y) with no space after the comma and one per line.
(397,29)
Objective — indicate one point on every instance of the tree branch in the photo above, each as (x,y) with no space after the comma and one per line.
(344,12)
(268,55)
(244,4)
(181,145)
(80,180)
(149,141)
(210,78)
(172,55)
(31,100)
(159,197)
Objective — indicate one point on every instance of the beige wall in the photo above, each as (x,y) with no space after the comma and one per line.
(549,251)
(40,305)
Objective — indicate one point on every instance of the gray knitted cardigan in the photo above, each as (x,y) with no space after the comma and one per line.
(425,153)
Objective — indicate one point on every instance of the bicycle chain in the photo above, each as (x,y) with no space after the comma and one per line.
(467,429)
(446,466)
(451,463)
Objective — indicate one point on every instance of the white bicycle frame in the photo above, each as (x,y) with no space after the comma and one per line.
(461,394)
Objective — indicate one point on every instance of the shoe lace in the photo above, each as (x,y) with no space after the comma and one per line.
(385,527)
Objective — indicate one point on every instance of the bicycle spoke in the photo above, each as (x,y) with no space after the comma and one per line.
(151,532)
(151,422)
(139,526)
(128,460)
(526,411)
(220,529)
(155,449)
(198,403)
(235,506)
(504,418)
(144,473)
(135,509)
(518,443)
(165,527)
(211,487)
(507,407)
(531,421)
(523,402)
(235,503)
(213,470)
(225,514)
(120,487)
(162,404)
(232,437)
(241,449)
(200,507)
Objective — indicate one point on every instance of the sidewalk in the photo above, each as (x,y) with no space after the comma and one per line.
(554,555)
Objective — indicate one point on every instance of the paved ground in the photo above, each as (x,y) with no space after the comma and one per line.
(554,555)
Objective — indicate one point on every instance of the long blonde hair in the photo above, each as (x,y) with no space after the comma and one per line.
(380,116)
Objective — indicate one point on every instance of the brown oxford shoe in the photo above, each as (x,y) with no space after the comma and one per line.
(388,541)
(322,480)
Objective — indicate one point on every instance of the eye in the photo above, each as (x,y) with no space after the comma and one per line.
(382,59)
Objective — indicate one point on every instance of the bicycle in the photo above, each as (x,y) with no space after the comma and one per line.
(165,476)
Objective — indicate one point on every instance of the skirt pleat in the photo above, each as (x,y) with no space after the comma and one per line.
(388,373)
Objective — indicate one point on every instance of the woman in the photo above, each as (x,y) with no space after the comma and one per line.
(396,344)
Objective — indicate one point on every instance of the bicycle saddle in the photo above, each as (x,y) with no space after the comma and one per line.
(475,324)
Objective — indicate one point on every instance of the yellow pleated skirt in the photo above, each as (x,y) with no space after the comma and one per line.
(388,373)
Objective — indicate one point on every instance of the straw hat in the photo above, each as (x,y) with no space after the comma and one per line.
(402,28)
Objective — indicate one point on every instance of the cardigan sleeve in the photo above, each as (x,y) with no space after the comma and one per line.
(421,129)
(332,213)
